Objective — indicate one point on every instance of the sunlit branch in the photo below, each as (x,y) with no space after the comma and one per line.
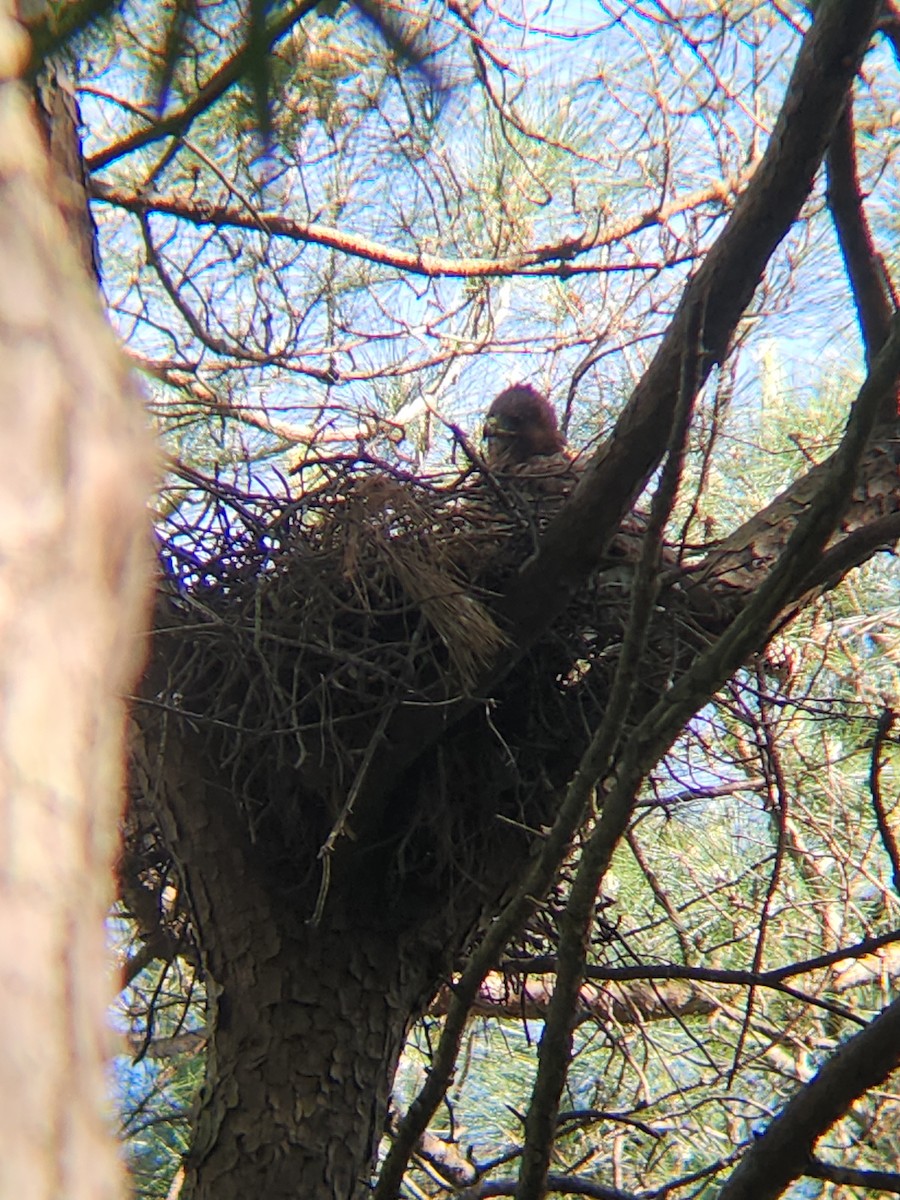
(556,258)
(726,282)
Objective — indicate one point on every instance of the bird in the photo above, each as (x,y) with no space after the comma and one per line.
(528,457)
(520,425)
(524,443)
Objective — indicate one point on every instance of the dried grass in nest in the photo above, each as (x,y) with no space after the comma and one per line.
(390,520)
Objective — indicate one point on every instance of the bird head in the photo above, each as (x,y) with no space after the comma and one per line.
(521,424)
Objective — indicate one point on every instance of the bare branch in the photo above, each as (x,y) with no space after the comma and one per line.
(564,1185)
(888,840)
(177,124)
(882,1181)
(725,283)
(529,999)
(554,258)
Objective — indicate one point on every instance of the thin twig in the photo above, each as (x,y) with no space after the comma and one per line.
(888,841)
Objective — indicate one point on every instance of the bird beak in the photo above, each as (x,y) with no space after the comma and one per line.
(497,427)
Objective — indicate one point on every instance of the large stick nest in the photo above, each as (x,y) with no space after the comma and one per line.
(291,629)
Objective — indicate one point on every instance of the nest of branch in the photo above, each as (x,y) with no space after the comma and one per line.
(290,630)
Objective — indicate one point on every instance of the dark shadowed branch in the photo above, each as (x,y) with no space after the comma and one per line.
(782,1153)
(881,1181)
(866,271)
(574,924)
(888,840)
(828,60)
(564,1185)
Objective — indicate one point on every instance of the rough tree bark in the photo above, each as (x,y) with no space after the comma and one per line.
(74,575)
(306,1020)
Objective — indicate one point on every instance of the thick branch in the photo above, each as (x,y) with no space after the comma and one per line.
(828,59)
(869,522)
(855,549)
(825,66)
(75,473)
(783,1152)
(864,268)
(556,1041)
(888,840)
(790,574)
(658,730)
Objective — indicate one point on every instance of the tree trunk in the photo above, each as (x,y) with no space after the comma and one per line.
(301,1062)
(306,1021)
(74,474)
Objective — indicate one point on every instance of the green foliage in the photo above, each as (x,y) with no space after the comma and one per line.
(160,1015)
